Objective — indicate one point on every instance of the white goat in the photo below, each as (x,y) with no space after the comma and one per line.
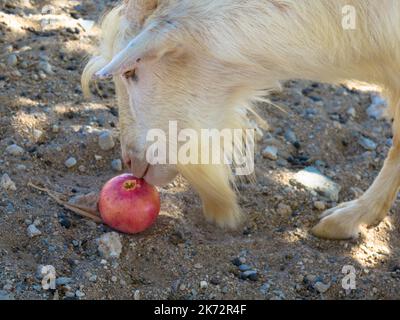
(200,62)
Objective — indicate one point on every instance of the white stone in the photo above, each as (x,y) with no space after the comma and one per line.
(79,294)
(109,245)
(271,153)
(42,75)
(7,184)
(352,112)
(203,284)
(55,128)
(313,180)
(33,231)
(378,108)
(106,141)
(15,150)
(48,276)
(71,162)
(38,135)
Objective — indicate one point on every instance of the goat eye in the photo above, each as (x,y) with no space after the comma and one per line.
(131,75)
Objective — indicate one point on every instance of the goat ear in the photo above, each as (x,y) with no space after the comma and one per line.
(137,11)
(152,43)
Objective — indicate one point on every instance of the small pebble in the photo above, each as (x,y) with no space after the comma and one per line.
(79,294)
(319,205)
(12,60)
(38,135)
(290,136)
(352,112)
(7,184)
(62,281)
(116,165)
(203,284)
(48,276)
(182,287)
(15,150)
(377,110)
(270,153)
(367,144)
(55,128)
(42,75)
(70,163)
(106,141)
(33,231)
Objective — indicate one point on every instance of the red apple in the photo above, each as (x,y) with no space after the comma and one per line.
(128,204)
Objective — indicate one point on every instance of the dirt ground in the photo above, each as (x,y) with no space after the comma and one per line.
(182,256)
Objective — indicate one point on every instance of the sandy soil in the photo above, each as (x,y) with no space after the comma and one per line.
(170,260)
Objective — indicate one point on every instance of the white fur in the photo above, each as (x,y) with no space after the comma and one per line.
(223,54)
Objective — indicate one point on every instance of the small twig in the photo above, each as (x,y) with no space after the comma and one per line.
(78,210)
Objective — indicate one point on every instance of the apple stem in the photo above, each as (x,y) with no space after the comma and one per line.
(78,210)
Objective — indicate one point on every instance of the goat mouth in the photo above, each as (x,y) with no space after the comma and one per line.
(141,173)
